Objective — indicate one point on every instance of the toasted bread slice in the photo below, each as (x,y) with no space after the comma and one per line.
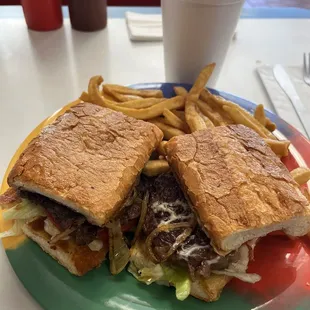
(87,160)
(77,259)
(207,289)
(238,188)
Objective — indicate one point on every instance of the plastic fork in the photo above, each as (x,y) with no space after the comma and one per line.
(307,69)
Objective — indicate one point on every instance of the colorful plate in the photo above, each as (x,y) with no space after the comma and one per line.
(284,264)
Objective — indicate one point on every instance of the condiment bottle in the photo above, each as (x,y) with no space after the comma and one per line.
(42,15)
(88,15)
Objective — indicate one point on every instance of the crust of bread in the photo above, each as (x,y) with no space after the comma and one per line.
(9,198)
(237,186)
(77,259)
(208,289)
(87,160)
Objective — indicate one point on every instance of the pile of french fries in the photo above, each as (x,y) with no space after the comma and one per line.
(187,112)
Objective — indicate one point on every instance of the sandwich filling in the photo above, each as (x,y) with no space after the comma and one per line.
(172,242)
(69,223)
(60,223)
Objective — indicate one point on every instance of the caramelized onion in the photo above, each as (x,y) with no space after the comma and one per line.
(130,200)
(142,216)
(67,232)
(63,234)
(188,228)
(118,250)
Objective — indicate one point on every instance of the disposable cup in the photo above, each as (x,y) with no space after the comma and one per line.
(196,33)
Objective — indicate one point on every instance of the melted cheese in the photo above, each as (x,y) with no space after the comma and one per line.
(185,253)
(173,216)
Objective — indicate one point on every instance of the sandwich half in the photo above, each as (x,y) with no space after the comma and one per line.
(200,227)
(73,187)
(238,188)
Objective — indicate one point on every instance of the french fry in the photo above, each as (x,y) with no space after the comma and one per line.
(155,167)
(180,91)
(118,97)
(214,100)
(85,97)
(206,119)
(192,116)
(108,93)
(279,147)
(221,118)
(301,175)
(259,114)
(183,92)
(135,92)
(172,120)
(205,95)
(107,96)
(216,118)
(179,114)
(201,81)
(161,148)
(140,103)
(150,112)
(270,125)
(242,115)
(93,89)
(147,113)
(130,97)
(168,131)
(240,118)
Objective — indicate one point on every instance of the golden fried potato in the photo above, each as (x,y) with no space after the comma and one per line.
(201,81)
(135,92)
(193,117)
(168,131)
(172,120)
(155,167)
(301,175)
(280,148)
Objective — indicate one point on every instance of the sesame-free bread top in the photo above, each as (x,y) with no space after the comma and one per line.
(238,188)
(88,159)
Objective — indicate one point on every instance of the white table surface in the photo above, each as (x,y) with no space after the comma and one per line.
(41,72)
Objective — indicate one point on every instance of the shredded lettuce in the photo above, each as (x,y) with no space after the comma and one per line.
(243,276)
(164,274)
(238,269)
(144,270)
(23,211)
(180,279)
(15,230)
(147,275)
(20,213)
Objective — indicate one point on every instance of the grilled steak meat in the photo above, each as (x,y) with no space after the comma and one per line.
(64,218)
(167,205)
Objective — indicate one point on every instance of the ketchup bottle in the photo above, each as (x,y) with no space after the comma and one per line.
(42,15)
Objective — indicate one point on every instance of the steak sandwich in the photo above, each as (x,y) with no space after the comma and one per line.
(72,189)
(200,227)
